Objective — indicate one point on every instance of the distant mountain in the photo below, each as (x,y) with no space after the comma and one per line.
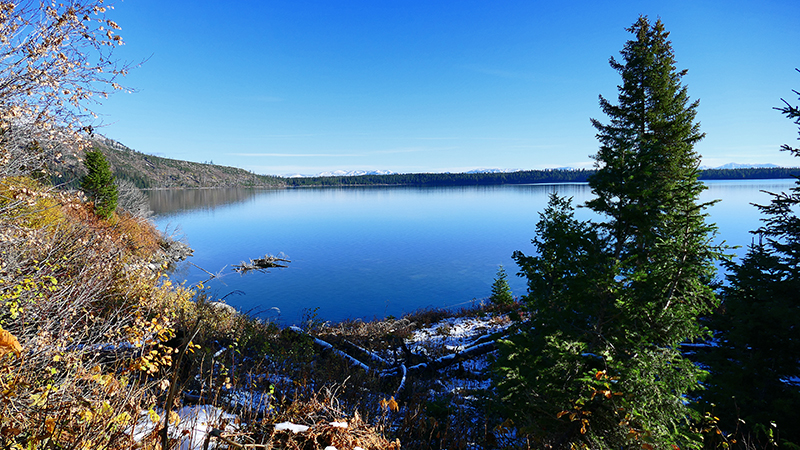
(746,166)
(352,173)
(493,170)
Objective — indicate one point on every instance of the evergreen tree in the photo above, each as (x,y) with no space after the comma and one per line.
(99,184)
(755,359)
(501,291)
(613,301)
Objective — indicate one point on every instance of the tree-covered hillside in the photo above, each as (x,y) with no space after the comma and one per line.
(148,171)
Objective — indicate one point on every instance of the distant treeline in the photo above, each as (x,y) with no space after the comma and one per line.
(758,173)
(448,179)
(521,177)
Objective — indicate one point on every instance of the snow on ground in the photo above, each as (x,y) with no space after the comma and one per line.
(191,430)
(289,426)
(455,333)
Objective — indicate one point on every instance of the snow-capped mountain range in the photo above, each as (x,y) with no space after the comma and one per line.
(742,166)
(343,173)
(355,173)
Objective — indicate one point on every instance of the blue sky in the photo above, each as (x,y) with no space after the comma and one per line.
(287,87)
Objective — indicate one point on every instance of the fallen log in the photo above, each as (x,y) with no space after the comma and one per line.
(480,346)
(454,358)
(261,264)
(328,346)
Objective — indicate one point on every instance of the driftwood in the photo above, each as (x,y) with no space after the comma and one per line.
(261,264)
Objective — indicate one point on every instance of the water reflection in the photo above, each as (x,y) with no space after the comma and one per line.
(167,202)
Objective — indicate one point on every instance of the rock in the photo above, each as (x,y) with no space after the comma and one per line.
(222,306)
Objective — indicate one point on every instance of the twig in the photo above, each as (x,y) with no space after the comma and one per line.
(204,270)
(217,433)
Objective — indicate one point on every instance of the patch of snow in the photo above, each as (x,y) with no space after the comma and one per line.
(289,426)
(339,424)
(791,381)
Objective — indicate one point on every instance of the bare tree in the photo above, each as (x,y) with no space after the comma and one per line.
(132,199)
(56,64)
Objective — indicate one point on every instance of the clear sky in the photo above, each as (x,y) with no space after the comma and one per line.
(287,87)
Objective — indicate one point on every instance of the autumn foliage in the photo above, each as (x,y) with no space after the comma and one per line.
(82,317)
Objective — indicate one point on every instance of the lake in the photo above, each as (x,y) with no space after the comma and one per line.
(366,252)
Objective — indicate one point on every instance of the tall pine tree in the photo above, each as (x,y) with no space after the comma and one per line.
(755,360)
(613,301)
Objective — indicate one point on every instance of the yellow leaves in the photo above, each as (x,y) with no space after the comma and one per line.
(191,347)
(105,408)
(40,398)
(153,415)
(390,404)
(49,425)
(607,393)
(99,378)
(9,343)
(85,415)
(578,414)
(152,361)
(122,419)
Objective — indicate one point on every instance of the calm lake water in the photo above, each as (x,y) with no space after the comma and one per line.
(377,251)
